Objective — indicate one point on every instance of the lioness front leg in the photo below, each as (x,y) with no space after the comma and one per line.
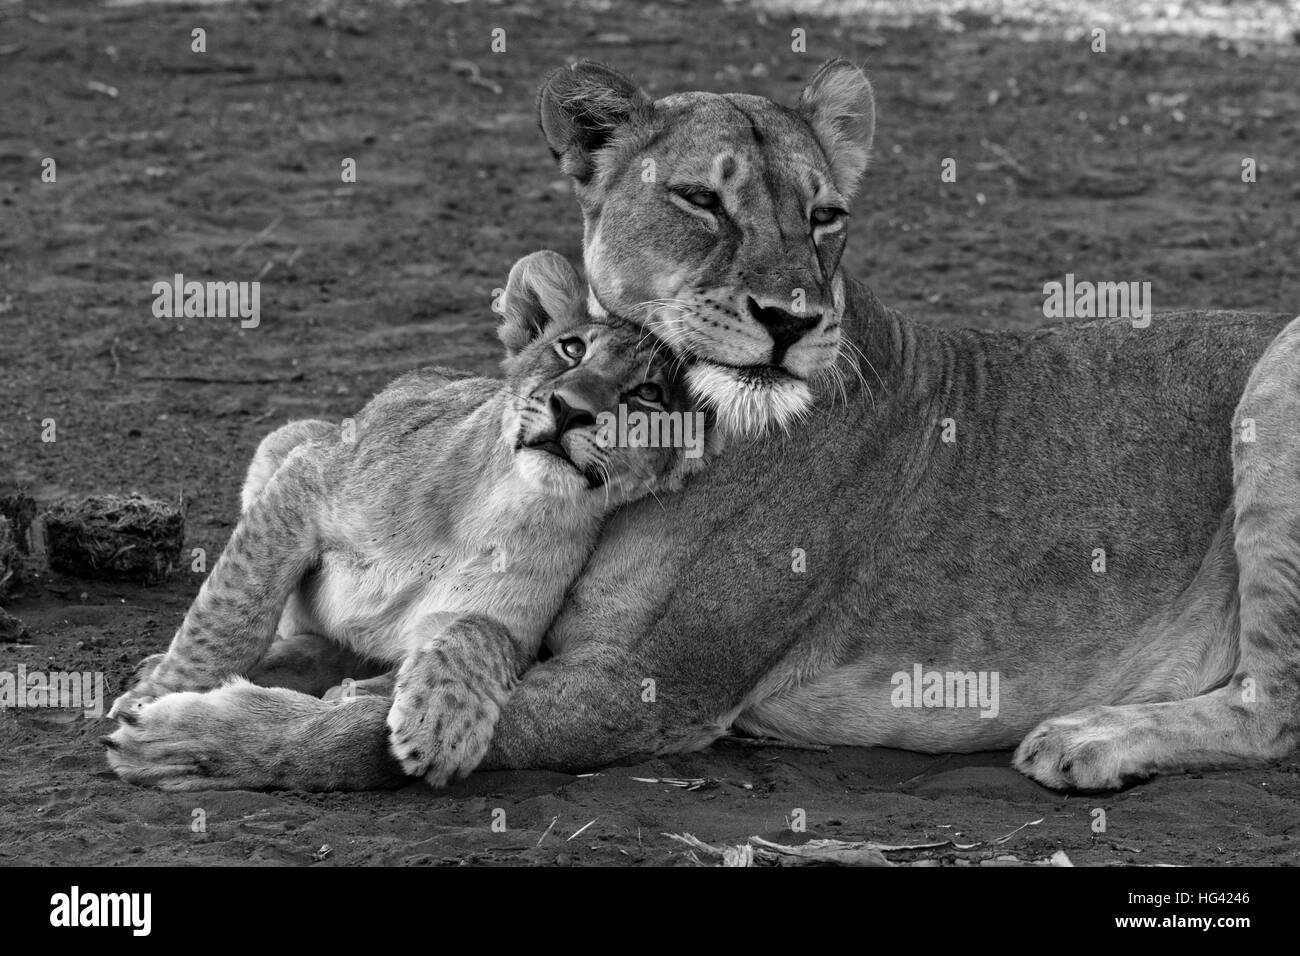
(457,695)
(1256,716)
(242,736)
(600,704)
(234,617)
(448,696)
(457,706)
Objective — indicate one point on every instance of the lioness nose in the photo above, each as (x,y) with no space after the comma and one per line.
(786,328)
(569,416)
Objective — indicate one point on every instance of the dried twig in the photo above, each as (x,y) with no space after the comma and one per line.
(1031,823)
(581,829)
(1007,158)
(690,783)
(261,235)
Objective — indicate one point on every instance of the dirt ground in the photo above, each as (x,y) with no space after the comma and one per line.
(227,165)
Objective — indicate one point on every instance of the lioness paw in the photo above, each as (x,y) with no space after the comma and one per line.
(182,741)
(445,709)
(1093,749)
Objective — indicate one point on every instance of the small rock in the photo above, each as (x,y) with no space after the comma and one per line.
(12,630)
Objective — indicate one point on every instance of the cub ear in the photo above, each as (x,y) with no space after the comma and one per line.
(580,106)
(839,105)
(543,288)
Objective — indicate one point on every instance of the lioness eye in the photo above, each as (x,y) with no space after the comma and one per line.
(703,198)
(572,347)
(649,392)
(825,215)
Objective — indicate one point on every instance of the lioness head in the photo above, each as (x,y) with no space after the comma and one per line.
(717,221)
(597,404)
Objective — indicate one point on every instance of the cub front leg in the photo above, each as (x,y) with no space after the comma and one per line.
(449,694)
(234,617)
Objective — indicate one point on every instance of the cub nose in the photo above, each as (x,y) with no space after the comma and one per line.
(568,416)
(786,328)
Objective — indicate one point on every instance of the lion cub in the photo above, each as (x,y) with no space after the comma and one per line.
(438,531)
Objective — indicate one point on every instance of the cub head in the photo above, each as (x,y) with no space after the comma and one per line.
(717,221)
(599,408)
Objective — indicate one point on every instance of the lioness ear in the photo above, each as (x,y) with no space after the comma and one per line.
(838,103)
(579,107)
(543,288)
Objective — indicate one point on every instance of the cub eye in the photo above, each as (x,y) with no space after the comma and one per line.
(705,199)
(572,348)
(825,215)
(649,392)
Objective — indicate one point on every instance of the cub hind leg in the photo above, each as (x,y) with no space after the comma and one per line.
(313,664)
(1255,715)
(300,661)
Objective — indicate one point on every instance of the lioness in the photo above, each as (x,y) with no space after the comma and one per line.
(785,590)
(438,531)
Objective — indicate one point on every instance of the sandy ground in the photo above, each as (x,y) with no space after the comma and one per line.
(226,165)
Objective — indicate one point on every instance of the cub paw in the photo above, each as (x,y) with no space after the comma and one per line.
(174,742)
(1094,749)
(445,709)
